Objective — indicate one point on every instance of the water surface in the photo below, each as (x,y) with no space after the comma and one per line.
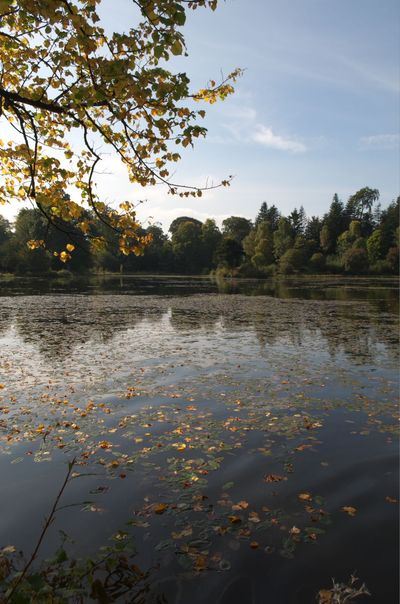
(254,413)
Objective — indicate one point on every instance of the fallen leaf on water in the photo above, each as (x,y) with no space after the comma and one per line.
(159,508)
(254,517)
(302,447)
(349,510)
(294,530)
(105,445)
(391,499)
(8,549)
(200,562)
(234,519)
(254,544)
(241,505)
(186,532)
(305,496)
(274,478)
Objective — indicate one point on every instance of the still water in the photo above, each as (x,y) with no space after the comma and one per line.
(242,436)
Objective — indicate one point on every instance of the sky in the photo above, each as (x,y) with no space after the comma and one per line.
(315,113)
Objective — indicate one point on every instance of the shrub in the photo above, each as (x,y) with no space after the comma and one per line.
(355,260)
(317,262)
(381,267)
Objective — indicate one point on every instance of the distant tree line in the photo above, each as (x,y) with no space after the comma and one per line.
(356,237)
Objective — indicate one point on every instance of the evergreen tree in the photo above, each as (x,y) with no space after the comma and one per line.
(262,214)
(335,221)
(313,229)
(298,221)
(271,214)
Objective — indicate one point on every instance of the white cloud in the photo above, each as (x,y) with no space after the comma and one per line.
(381,141)
(265,136)
(243,128)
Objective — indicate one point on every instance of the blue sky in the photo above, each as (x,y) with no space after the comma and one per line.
(316,111)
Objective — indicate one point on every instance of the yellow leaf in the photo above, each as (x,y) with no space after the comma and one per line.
(305,496)
(64,256)
(160,508)
(241,505)
(349,510)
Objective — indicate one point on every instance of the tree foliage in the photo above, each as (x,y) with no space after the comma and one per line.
(62,73)
(193,246)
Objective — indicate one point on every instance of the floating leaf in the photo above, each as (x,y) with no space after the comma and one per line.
(160,508)
(305,496)
(274,478)
(349,510)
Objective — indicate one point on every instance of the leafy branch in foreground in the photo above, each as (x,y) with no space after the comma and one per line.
(21,575)
(104,578)
(61,73)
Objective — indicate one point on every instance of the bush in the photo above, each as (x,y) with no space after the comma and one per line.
(334,265)
(291,261)
(355,260)
(381,267)
(317,262)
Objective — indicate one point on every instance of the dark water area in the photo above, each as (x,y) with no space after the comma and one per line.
(243,436)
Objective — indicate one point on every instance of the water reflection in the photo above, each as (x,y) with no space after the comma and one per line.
(307,352)
(95,334)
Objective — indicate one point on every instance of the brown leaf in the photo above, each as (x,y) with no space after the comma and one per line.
(274,478)
(325,596)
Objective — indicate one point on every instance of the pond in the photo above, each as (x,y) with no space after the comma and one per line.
(238,440)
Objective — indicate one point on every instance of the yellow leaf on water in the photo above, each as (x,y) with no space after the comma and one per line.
(305,496)
(179,446)
(105,445)
(349,510)
(241,505)
(160,508)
